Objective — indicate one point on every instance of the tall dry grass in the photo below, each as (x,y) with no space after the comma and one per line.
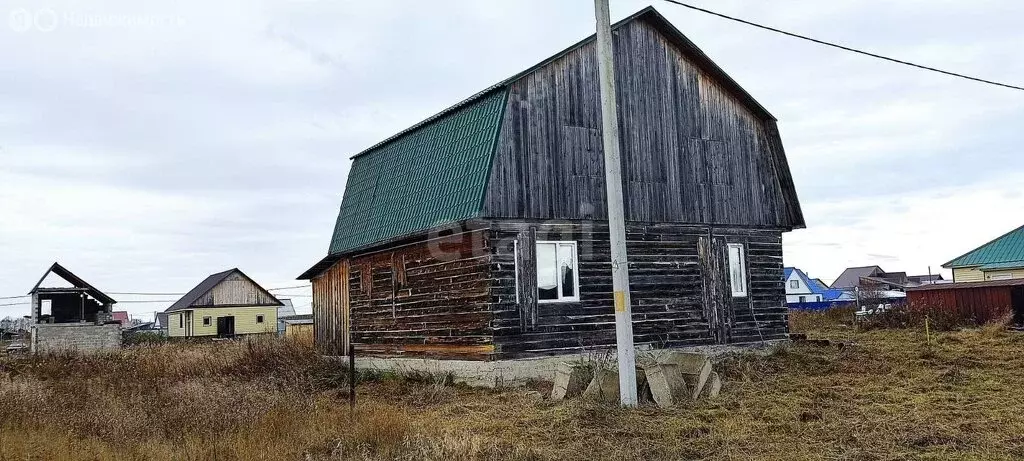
(886,394)
(252,399)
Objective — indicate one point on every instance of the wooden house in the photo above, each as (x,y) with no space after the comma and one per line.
(481,233)
(999,259)
(225,304)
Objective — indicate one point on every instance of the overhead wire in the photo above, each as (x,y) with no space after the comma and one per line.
(846,48)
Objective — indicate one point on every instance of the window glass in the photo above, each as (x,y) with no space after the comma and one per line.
(567,269)
(557,271)
(259,319)
(794,284)
(737,270)
(547,275)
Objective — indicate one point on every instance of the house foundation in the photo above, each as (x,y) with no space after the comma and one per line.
(519,372)
(84,338)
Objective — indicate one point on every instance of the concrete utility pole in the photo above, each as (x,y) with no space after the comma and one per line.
(616,219)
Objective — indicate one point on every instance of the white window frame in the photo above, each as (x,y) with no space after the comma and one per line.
(207,321)
(515,275)
(575,272)
(741,292)
(794,282)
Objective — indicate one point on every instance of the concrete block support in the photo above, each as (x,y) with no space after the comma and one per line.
(604,387)
(571,379)
(667,384)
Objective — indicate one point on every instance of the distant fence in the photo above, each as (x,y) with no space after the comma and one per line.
(821,305)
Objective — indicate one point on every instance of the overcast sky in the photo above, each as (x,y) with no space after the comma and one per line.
(148,144)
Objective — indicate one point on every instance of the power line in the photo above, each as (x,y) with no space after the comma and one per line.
(14,304)
(145,294)
(148,301)
(289,288)
(845,48)
(136,293)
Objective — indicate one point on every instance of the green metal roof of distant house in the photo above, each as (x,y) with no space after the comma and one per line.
(1005,252)
(432,175)
(1002,266)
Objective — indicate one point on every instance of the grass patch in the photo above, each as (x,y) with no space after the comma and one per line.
(885,394)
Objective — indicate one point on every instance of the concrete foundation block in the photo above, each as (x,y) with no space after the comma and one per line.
(667,385)
(571,379)
(713,387)
(604,387)
(694,367)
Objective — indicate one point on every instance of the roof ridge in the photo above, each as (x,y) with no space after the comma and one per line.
(650,11)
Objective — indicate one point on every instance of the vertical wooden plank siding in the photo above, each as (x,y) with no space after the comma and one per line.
(331,309)
(692,151)
(676,275)
(236,290)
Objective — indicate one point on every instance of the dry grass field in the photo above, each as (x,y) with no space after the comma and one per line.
(878,394)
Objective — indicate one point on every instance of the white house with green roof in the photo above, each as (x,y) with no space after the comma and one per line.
(1000,259)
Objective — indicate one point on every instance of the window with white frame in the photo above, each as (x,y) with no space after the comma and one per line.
(737,270)
(558,278)
(794,284)
(1000,277)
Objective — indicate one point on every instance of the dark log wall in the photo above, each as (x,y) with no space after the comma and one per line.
(692,152)
(679,284)
(426,298)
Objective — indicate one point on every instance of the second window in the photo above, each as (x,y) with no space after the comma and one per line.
(557,272)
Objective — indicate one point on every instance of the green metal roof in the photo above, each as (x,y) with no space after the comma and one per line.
(1008,248)
(432,175)
(1002,266)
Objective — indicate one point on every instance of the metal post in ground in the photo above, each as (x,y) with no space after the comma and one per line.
(351,378)
(616,218)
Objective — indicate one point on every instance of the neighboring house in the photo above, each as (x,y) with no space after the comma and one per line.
(70,313)
(226,304)
(873,277)
(120,317)
(802,289)
(872,282)
(1000,259)
(933,279)
(482,233)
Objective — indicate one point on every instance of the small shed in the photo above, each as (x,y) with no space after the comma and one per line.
(298,327)
(980,301)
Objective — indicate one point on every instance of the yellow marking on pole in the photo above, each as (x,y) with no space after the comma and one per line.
(620,301)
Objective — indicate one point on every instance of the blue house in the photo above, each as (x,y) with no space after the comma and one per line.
(803,292)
